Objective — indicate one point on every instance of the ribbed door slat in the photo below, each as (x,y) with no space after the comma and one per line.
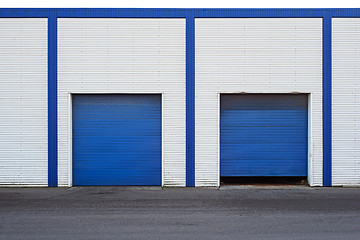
(263,135)
(117,139)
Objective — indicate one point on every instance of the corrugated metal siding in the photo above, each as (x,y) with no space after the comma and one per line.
(345,101)
(264,55)
(263,135)
(125,56)
(116,139)
(23,101)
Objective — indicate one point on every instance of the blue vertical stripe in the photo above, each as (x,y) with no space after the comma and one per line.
(52,100)
(190,100)
(327,100)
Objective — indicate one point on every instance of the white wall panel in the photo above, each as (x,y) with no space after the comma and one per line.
(264,55)
(345,101)
(124,56)
(23,101)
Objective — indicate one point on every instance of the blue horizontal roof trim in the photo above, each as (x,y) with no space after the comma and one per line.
(179,13)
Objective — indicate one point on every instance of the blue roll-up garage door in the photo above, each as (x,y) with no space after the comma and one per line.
(263,135)
(117,139)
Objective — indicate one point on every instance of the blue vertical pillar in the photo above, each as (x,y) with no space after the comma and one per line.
(52,99)
(190,99)
(327,99)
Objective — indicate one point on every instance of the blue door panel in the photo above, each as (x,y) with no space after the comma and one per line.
(263,135)
(116,139)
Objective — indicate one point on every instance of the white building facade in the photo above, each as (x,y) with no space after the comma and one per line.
(178,98)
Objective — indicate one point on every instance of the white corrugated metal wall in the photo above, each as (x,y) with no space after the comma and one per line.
(345,101)
(23,101)
(264,55)
(124,56)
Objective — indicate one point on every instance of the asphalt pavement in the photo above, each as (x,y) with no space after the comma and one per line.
(180,213)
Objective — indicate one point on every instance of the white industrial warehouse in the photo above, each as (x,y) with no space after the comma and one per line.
(178,97)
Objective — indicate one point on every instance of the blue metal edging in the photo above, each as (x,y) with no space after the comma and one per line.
(189,14)
(179,13)
(327,128)
(52,100)
(190,100)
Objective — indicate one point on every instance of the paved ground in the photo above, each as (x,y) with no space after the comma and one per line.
(151,213)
